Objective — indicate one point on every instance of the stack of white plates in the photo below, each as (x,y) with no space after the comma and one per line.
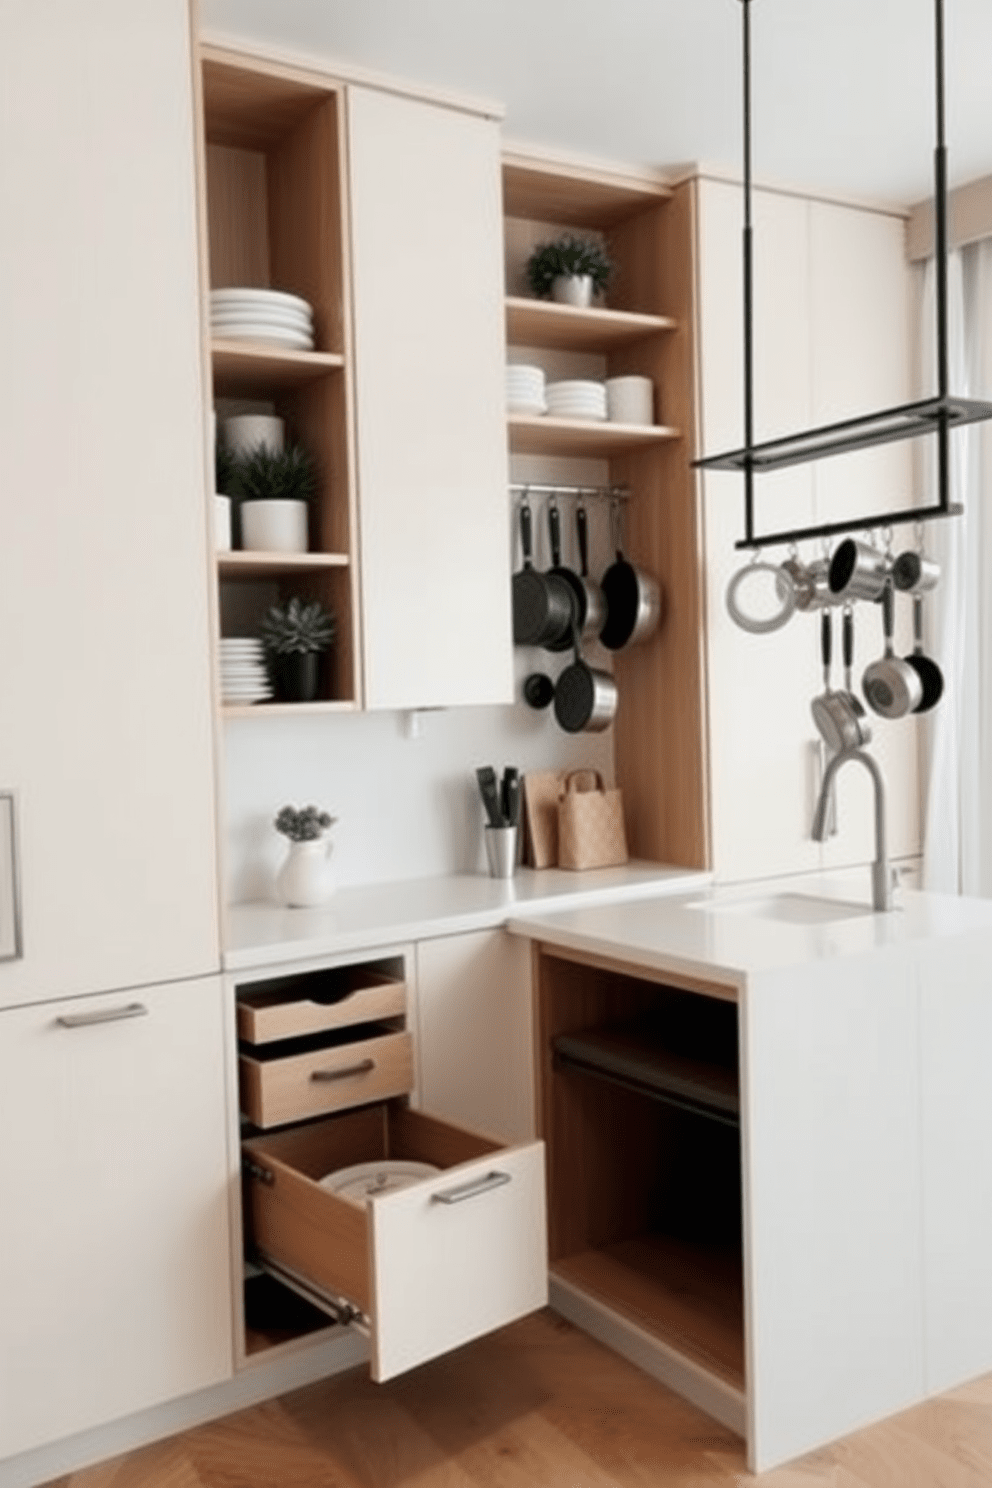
(577,399)
(525,389)
(243,674)
(262,315)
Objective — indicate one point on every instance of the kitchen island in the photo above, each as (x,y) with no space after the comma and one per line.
(768,1119)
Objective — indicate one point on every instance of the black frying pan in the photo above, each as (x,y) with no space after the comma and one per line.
(542,603)
(925,667)
(633,600)
(567,575)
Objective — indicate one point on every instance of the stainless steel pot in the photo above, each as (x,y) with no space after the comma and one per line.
(585,698)
(833,714)
(591,621)
(858,571)
(891,687)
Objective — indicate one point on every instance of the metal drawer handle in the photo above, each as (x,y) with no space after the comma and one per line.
(108,1015)
(471,1190)
(342,1074)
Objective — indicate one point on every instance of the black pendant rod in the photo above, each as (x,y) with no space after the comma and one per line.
(748,265)
(940,258)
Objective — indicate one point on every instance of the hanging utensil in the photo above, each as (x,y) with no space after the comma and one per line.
(585,698)
(855,704)
(566,574)
(594,612)
(892,687)
(633,598)
(930,675)
(832,713)
(858,571)
(772,592)
(542,603)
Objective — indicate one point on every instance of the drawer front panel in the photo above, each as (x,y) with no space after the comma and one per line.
(325,1080)
(456,1256)
(369,996)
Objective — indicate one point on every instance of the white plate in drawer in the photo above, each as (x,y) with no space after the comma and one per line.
(364,1181)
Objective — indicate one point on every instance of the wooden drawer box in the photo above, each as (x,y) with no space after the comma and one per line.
(431,1266)
(294,1086)
(317,1003)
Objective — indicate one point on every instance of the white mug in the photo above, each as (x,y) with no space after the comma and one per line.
(630,400)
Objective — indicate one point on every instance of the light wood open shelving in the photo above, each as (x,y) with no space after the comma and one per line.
(273,197)
(645,329)
(540,435)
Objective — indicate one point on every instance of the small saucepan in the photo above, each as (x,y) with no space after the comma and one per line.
(892,687)
(833,714)
(633,599)
(585,698)
(542,603)
(930,675)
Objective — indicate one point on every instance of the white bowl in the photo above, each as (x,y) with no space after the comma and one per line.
(246,431)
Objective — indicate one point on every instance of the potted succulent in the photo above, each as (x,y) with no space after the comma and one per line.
(304,877)
(295,636)
(276,487)
(570,270)
(225,486)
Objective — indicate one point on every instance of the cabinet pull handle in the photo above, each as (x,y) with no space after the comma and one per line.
(107,1015)
(342,1074)
(471,1190)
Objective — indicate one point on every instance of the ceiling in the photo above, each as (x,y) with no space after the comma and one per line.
(843,89)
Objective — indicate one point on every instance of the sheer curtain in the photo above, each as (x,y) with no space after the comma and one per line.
(958,733)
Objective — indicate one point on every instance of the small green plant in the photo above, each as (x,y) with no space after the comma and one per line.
(226,478)
(568,255)
(305,825)
(284,475)
(297,628)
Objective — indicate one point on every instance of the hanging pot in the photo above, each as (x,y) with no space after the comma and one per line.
(585,698)
(929,673)
(594,612)
(633,599)
(542,603)
(891,687)
(835,718)
(567,575)
(858,571)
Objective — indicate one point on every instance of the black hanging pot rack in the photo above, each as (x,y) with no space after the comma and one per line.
(936,415)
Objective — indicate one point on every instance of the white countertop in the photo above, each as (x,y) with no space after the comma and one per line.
(392,914)
(716,935)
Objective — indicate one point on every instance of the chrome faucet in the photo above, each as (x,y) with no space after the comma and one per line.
(881,876)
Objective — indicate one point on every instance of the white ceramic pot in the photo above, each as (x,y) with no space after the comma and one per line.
(573,289)
(246,431)
(306,877)
(222,523)
(274,526)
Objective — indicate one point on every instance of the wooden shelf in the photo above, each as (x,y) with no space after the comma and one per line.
(244,367)
(241,564)
(638,1062)
(583,437)
(688,1296)
(562,327)
(576,193)
(256,710)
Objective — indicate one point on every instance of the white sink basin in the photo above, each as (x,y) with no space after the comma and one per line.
(791,909)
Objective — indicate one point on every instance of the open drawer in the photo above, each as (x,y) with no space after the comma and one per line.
(429,1266)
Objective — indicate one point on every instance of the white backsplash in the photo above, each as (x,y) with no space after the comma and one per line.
(406,807)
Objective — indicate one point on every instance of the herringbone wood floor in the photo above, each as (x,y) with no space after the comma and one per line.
(538,1405)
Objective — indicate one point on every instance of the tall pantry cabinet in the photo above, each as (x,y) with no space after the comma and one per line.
(112,1137)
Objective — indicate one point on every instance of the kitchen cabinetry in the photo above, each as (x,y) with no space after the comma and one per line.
(273,182)
(646,328)
(421,1268)
(424,189)
(383,212)
(115,1280)
(474,1033)
(107,734)
(832,339)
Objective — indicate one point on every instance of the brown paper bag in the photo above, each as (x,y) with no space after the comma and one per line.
(542,792)
(591,830)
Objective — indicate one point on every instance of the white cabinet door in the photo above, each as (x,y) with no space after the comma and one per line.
(104,671)
(429,352)
(956,1136)
(475,1033)
(115,1258)
(832,1199)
